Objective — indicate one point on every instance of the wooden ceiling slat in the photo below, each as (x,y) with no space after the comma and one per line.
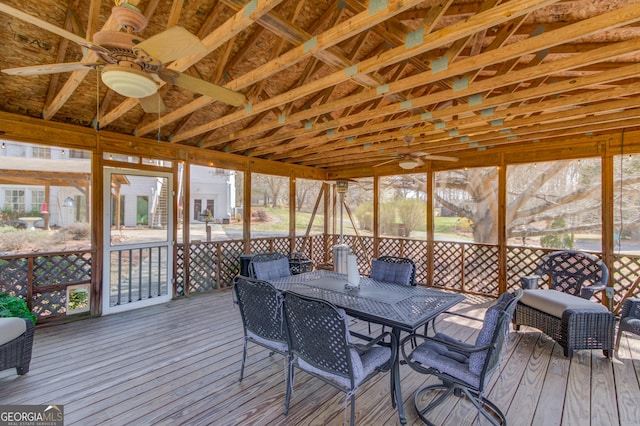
(534,44)
(512,51)
(492,17)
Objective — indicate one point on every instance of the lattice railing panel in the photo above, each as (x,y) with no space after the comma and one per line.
(481,269)
(522,261)
(447,265)
(417,250)
(178,275)
(229,262)
(62,269)
(317,249)
(13,276)
(390,247)
(260,246)
(203,267)
(49,304)
(626,279)
(282,245)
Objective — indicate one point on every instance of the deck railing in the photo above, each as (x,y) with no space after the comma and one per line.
(43,278)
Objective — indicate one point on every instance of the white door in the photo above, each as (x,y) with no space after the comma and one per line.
(138,239)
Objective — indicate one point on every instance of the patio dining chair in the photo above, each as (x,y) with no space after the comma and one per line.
(629,319)
(261,312)
(320,344)
(269,266)
(570,271)
(395,270)
(464,369)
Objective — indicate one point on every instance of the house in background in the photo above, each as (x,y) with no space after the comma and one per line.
(44,181)
(53,183)
(212,190)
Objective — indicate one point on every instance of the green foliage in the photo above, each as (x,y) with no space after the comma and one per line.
(388,217)
(364,215)
(14,306)
(559,240)
(412,213)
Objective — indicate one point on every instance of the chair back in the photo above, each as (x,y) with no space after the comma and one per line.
(570,270)
(393,269)
(260,308)
(269,266)
(494,332)
(318,334)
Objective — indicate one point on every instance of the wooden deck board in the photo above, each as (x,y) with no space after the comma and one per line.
(179,363)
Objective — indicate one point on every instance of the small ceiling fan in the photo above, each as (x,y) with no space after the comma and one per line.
(409,158)
(130,65)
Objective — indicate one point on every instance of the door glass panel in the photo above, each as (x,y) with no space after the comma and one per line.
(139,206)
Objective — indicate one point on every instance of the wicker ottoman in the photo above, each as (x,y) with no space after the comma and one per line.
(573,322)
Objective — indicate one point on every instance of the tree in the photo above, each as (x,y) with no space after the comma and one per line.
(412,213)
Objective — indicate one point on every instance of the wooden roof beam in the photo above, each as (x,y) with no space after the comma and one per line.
(490,18)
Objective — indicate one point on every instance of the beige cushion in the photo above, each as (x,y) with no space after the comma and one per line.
(555,302)
(10,328)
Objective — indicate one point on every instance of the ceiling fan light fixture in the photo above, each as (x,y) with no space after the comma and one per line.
(128,82)
(408,164)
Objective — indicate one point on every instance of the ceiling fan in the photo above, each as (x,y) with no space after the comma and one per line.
(411,158)
(130,65)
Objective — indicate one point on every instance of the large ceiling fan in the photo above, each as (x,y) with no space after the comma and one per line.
(409,158)
(130,65)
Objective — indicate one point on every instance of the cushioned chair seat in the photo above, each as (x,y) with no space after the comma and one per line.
(556,302)
(11,328)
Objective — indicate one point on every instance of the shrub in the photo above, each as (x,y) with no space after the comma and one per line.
(14,306)
(78,231)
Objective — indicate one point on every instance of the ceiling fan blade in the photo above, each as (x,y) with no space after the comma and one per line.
(197,85)
(170,45)
(153,104)
(51,68)
(438,157)
(49,27)
(386,162)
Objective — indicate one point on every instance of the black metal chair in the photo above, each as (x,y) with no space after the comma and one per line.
(269,266)
(320,344)
(262,320)
(394,269)
(573,272)
(16,344)
(629,319)
(464,369)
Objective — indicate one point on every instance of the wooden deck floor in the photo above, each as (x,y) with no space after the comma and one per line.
(178,363)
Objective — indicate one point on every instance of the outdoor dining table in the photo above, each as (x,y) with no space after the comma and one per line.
(402,308)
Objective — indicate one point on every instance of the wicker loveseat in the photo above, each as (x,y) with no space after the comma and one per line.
(16,342)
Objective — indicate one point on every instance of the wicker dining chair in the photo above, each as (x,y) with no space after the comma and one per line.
(464,369)
(570,271)
(320,344)
(629,319)
(261,311)
(269,266)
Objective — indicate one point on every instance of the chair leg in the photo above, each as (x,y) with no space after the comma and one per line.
(485,407)
(244,358)
(287,398)
(353,409)
(618,337)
